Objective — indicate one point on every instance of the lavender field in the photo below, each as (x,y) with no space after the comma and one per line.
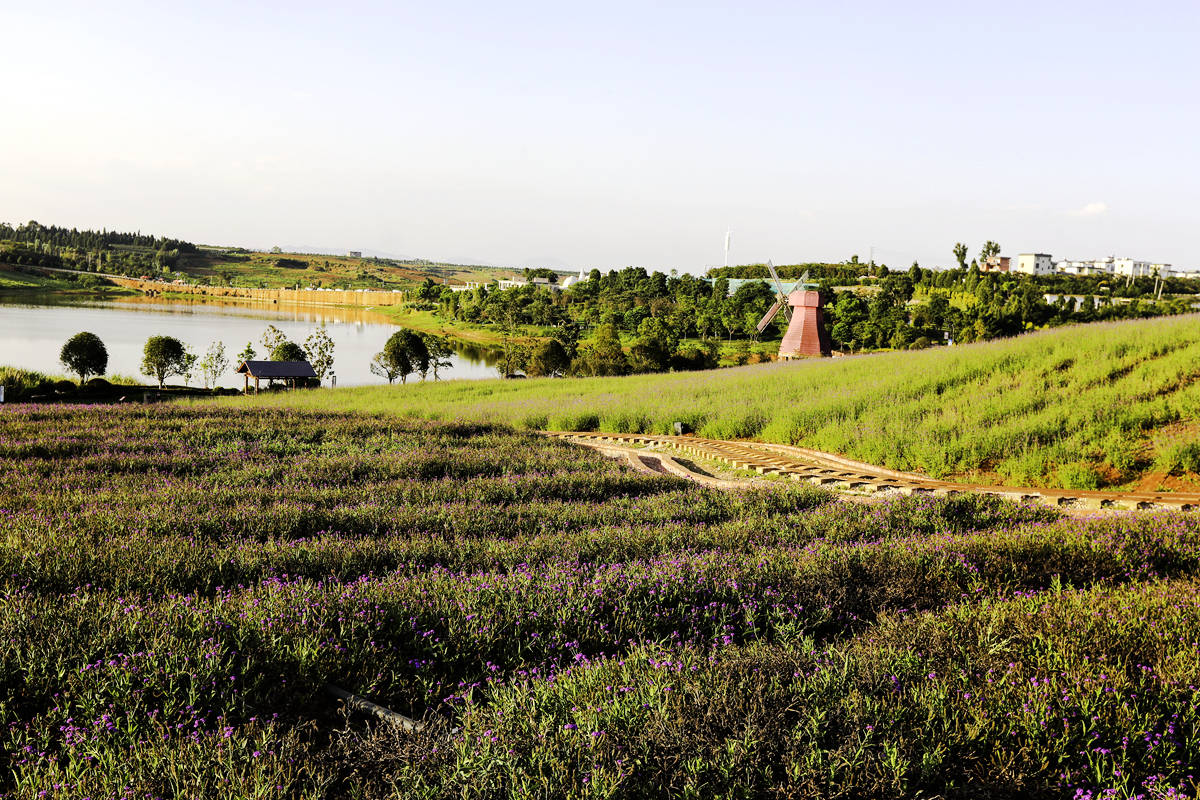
(180,584)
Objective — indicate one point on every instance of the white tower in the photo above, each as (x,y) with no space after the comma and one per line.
(728,241)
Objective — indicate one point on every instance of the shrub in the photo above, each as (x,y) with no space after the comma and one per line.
(22,383)
(1078,475)
(84,354)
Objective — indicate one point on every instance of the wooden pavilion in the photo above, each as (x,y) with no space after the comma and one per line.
(289,372)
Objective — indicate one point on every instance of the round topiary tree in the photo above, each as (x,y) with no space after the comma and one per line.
(163,357)
(84,354)
(288,351)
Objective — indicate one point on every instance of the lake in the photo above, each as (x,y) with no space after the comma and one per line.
(33,330)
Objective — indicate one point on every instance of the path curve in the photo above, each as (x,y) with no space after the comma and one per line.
(838,472)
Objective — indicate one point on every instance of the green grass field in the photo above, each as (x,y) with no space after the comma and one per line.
(22,281)
(1105,405)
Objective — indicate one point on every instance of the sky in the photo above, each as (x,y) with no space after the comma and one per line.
(611,134)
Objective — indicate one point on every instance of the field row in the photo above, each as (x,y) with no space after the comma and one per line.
(179,586)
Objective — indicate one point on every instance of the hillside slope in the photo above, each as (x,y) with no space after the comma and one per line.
(1112,404)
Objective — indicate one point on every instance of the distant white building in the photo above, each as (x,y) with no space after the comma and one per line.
(1128,267)
(571,280)
(355,254)
(1034,264)
(1078,267)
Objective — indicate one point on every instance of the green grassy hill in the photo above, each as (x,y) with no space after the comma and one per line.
(1105,405)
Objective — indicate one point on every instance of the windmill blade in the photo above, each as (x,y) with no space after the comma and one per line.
(770,315)
(775,276)
(787,310)
(803,278)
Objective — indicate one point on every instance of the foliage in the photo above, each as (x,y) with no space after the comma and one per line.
(440,351)
(601,354)
(214,363)
(319,347)
(565,627)
(288,351)
(404,353)
(165,356)
(35,244)
(20,384)
(1014,409)
(84,354)
(548,359)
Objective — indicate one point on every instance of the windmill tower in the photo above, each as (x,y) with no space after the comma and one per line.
(801,307)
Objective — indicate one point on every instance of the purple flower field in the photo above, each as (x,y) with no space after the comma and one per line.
(180,584)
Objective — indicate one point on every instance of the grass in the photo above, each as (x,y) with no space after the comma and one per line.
(179,584)
(285,270)
(1071,407)
(23,281)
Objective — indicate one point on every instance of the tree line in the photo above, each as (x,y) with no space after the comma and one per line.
(34,244)
(631,320)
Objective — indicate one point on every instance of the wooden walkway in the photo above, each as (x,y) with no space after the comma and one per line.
(836,472)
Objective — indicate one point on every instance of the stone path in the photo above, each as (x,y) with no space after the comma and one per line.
(837,472)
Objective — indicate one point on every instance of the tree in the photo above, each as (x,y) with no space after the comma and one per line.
(187,366)
(272,337)
(440,351)
(548,359)
(214,363)
(288,351)
(162,357)
(400,357)
(319,346)
(247,353)
(652,350)
(416,350)
(960,255)
(989,249)
(601,354)
(385,367)
(84,354)
(429,290)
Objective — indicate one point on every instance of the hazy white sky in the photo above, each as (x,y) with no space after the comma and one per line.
(611,134)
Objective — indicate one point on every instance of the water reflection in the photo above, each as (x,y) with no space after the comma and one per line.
(33,329)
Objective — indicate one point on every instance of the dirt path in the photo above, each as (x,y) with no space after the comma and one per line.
(854,477)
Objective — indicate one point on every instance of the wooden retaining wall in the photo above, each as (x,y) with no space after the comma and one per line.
(332,297)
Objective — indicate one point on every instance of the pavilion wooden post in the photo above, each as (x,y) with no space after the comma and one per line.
(246,390)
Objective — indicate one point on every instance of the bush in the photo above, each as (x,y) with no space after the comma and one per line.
(1182,458)
(22,383)
(288,351)
(1078,475)
(65,387)
(97,386)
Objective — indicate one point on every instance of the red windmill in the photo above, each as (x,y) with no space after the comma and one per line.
(801,306)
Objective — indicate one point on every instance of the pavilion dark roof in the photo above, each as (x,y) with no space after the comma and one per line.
(277,369)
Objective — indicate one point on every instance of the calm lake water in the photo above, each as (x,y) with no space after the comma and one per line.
(33,329)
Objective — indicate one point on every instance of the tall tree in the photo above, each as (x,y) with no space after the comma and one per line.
(214,363)
(84,354)
(319,346)
(960,255)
